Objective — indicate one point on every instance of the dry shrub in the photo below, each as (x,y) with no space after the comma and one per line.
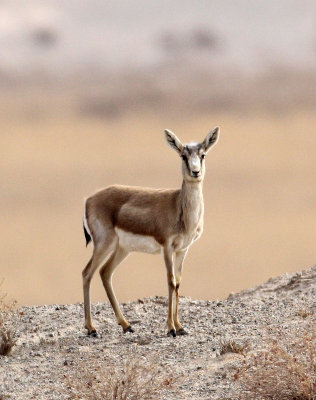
(7,340)
(6,305)
(285,370)
(136,380)
(230,346)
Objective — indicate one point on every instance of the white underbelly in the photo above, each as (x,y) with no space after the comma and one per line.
(133,242)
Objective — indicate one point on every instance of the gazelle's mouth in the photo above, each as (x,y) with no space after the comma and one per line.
(195,178)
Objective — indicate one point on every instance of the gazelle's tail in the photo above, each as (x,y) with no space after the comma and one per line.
(86,234)
(86,229)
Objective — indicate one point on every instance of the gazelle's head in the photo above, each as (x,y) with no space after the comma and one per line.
(193,154)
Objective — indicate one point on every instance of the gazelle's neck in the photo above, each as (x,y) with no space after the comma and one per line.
(191,204)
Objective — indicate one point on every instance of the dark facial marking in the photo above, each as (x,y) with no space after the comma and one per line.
(185,159)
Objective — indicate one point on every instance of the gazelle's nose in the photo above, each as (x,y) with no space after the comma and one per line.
(195,173)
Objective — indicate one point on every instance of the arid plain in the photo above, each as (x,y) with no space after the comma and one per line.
(259,192)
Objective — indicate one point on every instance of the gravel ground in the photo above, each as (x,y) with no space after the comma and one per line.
(53,352)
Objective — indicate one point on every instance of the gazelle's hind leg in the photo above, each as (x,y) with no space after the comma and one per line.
(106,273)
(179,258)
(100,252)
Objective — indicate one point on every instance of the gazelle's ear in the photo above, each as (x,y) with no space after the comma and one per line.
(211,139)
(173,141)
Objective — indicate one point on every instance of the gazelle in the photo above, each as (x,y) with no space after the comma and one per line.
(122,219)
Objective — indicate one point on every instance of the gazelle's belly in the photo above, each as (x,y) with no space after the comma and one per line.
(133,242)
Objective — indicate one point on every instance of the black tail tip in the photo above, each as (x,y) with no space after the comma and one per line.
(87,236)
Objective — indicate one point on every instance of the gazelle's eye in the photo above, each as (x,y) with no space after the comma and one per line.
(202,156)
(184,157)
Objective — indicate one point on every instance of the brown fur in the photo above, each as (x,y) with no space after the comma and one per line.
(155,208)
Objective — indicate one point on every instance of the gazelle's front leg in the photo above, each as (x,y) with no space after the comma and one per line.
(168,257)
(180,256)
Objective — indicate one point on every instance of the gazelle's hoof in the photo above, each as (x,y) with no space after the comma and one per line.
(172,333)
(182,332)
(93,333)
(128,329)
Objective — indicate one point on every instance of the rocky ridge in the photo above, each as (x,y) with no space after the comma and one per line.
(53,349)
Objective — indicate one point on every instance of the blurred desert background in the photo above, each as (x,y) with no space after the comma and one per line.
(86,90)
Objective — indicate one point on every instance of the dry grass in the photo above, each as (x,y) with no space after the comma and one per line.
(137,379)
(285,370)
(230,346)
(7,340)
(6,305)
